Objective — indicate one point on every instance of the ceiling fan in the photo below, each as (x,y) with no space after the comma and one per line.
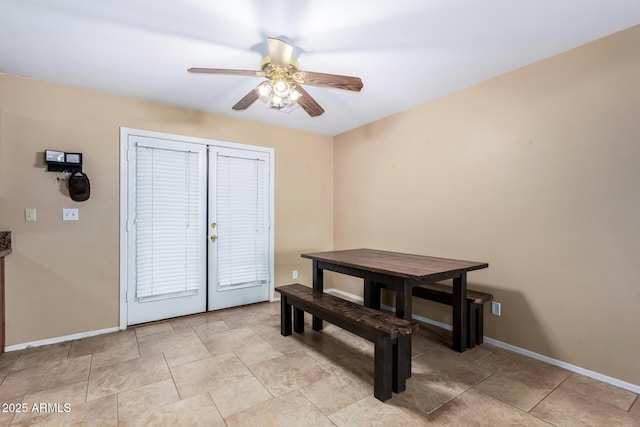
(283,87)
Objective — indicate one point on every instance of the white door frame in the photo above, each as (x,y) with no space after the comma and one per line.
(125,133)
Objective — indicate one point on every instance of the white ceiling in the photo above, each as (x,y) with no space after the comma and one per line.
(407,52)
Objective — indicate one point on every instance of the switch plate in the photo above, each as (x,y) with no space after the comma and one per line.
(295,274)
(495,308)
(70,214)
(30,214)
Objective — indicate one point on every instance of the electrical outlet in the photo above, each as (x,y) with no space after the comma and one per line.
(30,214)
(495,308)
(70,214)
(295,274)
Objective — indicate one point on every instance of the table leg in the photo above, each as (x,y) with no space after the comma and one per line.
(460,313)
(404,311)
(318,284)
(403,299)
(372,294)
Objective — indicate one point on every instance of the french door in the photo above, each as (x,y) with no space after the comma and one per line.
(195,225)
(239,227)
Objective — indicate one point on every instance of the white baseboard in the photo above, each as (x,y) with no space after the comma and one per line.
(81,335)
(555,362)
(344,294)
(60,339)
(568,366)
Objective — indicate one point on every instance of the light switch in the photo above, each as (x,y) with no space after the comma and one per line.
(30,214)
(70,214)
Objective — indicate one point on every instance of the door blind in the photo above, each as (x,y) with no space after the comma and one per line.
(242,222)
(168,223)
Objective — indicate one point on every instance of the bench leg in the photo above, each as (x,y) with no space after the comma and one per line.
(316,324)
(471,324)
(298,320)
(285,317)
(383,369)
(479,332)
(401,357)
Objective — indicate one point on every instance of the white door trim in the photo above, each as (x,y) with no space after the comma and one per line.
(125,133)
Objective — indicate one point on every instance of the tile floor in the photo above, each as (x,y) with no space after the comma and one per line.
(233,368)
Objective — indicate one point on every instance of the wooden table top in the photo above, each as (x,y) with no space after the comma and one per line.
(418,267)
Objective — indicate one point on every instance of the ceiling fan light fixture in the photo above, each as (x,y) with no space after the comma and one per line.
(277,101)
(278,94)
(294,95)
(281,88)
(264,90)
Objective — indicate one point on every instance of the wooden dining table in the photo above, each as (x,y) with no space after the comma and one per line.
(400,272)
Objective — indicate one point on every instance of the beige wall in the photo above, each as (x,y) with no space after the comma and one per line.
(536,172)
(63,277)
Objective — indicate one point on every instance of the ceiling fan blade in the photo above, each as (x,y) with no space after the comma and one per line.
(246,102)
(280,52)
(226,71)
(332,80)
(308,103)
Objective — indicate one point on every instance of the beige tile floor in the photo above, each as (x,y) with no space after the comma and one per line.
(233,368)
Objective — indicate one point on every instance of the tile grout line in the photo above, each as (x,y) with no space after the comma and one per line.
(549,394)
(313,404)
(118,393)
(252,374)
(538,403)
(216,406)
(69,350)
(500,400)
(135,335)
(594,398)
(491,376)
(636,400)
(515,408)
(86,394)
(351,404)
(174,380)
(299,390)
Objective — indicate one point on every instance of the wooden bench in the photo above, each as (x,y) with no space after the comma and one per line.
(475,303)
(390,335)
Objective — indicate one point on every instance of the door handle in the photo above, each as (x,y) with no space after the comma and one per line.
(214,237)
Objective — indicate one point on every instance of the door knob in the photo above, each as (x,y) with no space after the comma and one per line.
(214,237)
(213,225)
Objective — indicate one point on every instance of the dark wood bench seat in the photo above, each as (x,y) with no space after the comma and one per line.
(390,335)
(475,303)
